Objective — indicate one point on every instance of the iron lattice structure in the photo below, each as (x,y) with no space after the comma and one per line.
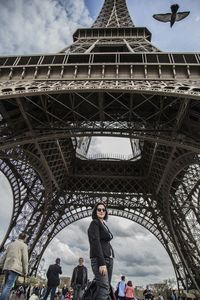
(110,82)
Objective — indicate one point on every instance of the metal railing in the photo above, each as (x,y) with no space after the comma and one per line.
(110,156)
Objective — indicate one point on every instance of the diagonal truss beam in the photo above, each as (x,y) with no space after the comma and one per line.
(21,108)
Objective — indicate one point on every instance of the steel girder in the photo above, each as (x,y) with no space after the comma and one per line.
(158,149)
(182,186)
(153,69)
(114,13)
(110,82)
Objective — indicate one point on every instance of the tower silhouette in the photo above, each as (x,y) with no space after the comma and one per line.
(111,81)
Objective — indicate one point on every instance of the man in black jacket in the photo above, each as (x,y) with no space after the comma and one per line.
(79,280)
(53,279)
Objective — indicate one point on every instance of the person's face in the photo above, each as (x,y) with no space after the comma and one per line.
(101,212)
(80,261)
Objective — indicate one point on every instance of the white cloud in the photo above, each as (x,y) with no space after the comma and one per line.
(6,203)
(40,26)
(110,145)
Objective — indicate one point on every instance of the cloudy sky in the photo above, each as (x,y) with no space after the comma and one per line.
(35,26)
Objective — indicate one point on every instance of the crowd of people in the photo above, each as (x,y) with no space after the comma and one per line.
(124,291)
(14,263)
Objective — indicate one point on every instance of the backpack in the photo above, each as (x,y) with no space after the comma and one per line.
(92,291)
(117,290)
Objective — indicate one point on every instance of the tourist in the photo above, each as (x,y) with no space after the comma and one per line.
(173,295)
(36,290)
(43,290)
(64,292)
(101,252)
(120,289)
(53,279)
(15,262)
(160,297)
(148,293)
(79,280)
(129,291)
(68,296)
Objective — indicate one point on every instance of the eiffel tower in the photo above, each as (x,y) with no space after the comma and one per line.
(110,82)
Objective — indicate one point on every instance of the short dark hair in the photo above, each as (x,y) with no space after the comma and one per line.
(122,277)
(57,260)
(23,236)
(94,211)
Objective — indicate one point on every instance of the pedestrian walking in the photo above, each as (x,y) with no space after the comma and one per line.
(15,262)
(148,293)
(42,291)
(174,295)
(160,297)
(68,296)
(64,292)
(129,291)
(120,289)
(79,280)
(53,280)
(36,290)
(101,252)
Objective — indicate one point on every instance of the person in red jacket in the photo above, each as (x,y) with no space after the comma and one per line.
(68,296)
(129,291)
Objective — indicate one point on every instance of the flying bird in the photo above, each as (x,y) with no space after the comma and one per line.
(172,17)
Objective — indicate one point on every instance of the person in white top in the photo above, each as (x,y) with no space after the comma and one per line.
(121,287)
